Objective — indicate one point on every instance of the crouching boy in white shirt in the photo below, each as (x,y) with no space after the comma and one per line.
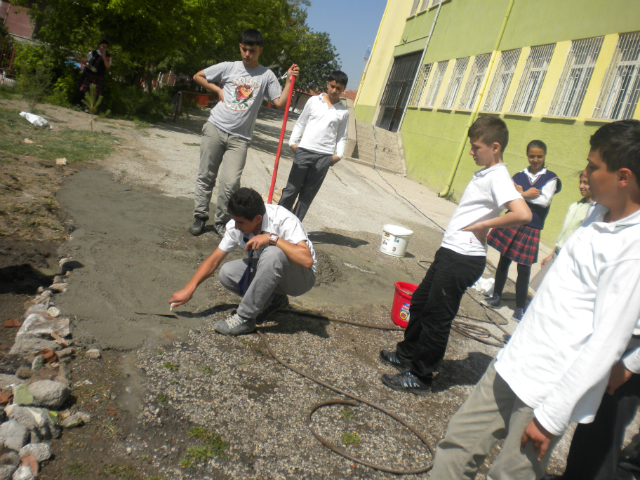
(572,341)
(281,262)
(324,121)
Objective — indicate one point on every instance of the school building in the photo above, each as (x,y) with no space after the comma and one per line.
(554,70)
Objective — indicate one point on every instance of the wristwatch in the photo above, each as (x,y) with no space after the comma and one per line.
(273,238)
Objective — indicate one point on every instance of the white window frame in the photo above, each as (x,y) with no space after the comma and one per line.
(575,77)
(621,85)
(501,80)
(474,81)
(414,7)
(449,99)
(436,82)
(532,79)
(418,87)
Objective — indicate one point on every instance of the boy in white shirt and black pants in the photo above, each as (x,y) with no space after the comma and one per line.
(460,260)
(324,121)
(575,339)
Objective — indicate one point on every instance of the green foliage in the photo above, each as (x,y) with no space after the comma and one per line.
(120,471)
(74,145)
(199,453)
(162,398)
(350,438)
(34,81)
(64,88)
(347,413)
(216,445)
(208,370)
(92,101)
(185,463)
(171,366)
(77,468)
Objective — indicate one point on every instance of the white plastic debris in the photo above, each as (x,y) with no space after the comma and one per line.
(36,120)
(485,286)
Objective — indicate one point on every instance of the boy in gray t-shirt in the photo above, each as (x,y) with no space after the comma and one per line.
(226,136)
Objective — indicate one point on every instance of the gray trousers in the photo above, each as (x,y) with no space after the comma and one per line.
(273,274)
(305,179)
(219,151)
(492,412)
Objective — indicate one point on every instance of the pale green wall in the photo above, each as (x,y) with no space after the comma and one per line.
(364,113)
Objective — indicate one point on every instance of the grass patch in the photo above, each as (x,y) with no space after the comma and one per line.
(215,444)
(207,370)
(199,453)
(140,124)
(162,398)
(120,471)
(77,468)
(347,413)
(74,145)
(175,382)
(185,462)
(155,478)
(191,144)
(350,438)
(171,366)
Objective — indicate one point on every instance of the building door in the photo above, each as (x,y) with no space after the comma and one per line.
(396,93)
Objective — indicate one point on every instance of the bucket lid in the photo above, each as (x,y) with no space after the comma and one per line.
(397,230)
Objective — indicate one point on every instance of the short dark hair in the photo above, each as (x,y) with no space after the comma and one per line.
(104,40)
(251,37)
(490,129)
(246,203)
(537,144)
(619,145)
(338,76)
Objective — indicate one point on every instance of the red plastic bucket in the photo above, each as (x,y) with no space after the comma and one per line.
(401,303)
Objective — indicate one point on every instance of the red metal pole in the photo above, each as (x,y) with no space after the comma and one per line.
(284,128)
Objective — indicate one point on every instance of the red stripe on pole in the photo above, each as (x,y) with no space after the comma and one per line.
(284,128)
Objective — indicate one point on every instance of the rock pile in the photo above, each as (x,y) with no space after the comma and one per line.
(33,395)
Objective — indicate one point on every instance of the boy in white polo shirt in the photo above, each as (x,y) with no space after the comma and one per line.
(575,339)
(460,260)
(324,121)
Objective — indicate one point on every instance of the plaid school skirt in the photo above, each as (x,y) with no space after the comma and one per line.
(89,78)
(518,244)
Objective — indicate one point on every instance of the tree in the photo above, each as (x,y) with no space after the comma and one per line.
(34,83)
(92,101)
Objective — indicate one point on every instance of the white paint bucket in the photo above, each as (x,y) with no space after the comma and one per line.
(395,240)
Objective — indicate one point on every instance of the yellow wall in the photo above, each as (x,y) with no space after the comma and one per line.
(389,35)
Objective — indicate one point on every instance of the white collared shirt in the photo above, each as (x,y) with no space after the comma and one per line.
(579,324)
(484,198)
(276,220)
(324,127)
(547,191)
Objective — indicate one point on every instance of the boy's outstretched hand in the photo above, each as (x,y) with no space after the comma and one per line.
(537,434)
(181,297)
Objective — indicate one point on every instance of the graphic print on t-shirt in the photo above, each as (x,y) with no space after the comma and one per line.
(244,94)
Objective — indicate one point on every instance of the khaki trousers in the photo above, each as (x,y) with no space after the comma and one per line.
(219,151)
(491,413)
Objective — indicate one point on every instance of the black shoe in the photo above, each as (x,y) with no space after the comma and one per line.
(494,301)
(278,303)
(390,358)
(198,226)
(407,382)
(518,314)
(220,228)
(631,464)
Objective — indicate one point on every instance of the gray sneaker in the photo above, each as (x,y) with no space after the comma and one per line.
(197,227)
(220,228)
(235,325)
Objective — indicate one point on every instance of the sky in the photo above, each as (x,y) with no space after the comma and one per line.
(352,25)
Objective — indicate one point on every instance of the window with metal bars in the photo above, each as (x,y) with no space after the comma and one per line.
(434,88)
(501,80)
(532,78)
(474,82)
(621,85)
(418,87)
(575,77)
(454,82)
(424,5)
(414,7)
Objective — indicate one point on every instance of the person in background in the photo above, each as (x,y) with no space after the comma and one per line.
(520,244)
(318,140)
(97,64)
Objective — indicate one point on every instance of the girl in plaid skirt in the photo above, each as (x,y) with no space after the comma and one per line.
(537,185)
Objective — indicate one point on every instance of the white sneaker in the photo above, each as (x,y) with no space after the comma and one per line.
(235,325)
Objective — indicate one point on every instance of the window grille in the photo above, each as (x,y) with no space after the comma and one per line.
(575,77)
(414,7)
(454,82)
(474,82)
(425,5)
(421,82)
(438,76)
(621,85)
(532,78)
(502,80)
